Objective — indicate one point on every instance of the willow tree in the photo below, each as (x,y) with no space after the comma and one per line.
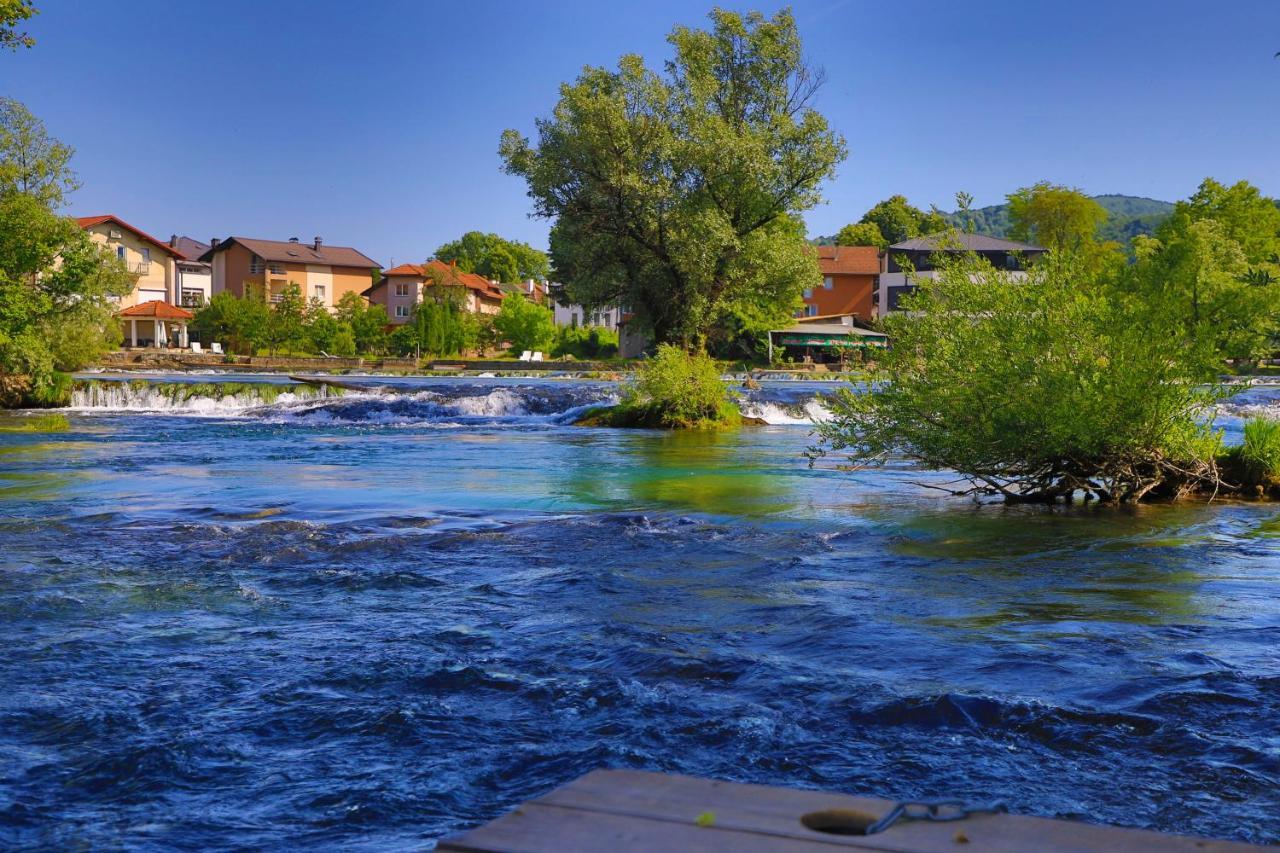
(678,194)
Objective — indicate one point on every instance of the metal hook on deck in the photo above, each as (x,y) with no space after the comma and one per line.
(938,811)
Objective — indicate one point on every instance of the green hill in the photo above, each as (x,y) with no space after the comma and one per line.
(1128,216)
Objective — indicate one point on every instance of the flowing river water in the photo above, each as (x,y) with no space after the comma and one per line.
(281,618)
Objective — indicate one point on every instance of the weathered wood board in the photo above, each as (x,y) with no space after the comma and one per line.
(619,811)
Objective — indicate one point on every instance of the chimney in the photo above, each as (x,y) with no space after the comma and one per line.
(213,242)
(316,244)
(173,241)
(293,239)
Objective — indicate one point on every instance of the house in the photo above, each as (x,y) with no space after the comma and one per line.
(534,291)
(920,254)
(248,265)
(849,276)
(572,315)
(401,289)
(152,262)
(195,277)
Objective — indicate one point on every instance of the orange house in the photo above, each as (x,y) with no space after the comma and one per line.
(849,275)
(327,273)
(401,289)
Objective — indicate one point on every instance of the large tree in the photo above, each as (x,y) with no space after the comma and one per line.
(31,162)
(897,220)
(673,193)
(495,257)
(56,285)
(1056,217)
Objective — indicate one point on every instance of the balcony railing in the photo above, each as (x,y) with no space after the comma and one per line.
(141,268)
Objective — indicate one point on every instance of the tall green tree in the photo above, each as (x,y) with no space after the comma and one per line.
(368,323)
(523,324)
(286,328)
(13,13)
(1057,217)
(861,234)
(897,220)
(238,324)
(671,192)
(495,257)
(32,162)
(1212,267)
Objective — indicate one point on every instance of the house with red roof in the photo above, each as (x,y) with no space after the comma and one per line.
(404,287)
(849,276)
(152,262)
(244,265)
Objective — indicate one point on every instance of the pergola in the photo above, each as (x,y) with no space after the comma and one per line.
(163,321)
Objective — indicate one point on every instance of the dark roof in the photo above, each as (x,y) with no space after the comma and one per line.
(193,249)
(962,242)
(452,274)
(286,251)
(835,260)
(90,221)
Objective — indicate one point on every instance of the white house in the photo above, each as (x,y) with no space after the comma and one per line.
(195,277)
(568,314)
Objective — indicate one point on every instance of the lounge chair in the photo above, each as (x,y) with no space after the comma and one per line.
(215,348)
(526,356)
(537,356)
(195,347)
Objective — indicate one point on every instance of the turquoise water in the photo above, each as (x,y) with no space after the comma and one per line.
(374,619)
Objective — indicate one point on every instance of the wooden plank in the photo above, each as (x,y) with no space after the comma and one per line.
(636,810)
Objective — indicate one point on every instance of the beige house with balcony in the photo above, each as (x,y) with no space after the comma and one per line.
(245,265)
(152,261)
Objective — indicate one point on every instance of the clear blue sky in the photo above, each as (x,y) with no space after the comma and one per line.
(376,123)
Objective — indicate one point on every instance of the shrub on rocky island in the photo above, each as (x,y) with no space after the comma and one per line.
(673,390)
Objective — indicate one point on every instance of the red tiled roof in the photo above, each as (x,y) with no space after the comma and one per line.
(289,252)
(158,309)
(468,280)
(849,260)
(90,221)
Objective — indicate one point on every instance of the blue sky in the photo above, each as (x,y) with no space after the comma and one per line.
(376,124)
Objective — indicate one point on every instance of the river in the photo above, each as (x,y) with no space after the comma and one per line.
(369,620)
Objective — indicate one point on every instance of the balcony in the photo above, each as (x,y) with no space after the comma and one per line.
(140,268)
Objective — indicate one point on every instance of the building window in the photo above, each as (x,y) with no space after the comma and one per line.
(146,256)
(192,298)
(402,311)
(319,291)
(808,293)
(276,269)
(811,310)
(402,290)
(573,320)
(120,252)
(255,265)
(827,283)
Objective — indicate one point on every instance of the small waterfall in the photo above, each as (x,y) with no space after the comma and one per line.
(206,398)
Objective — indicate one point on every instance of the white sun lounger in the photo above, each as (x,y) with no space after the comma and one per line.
(537,356)
(526,356)
(195,347)
(215,347)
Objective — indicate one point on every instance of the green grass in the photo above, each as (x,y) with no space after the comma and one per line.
(1259,455)
(36,423)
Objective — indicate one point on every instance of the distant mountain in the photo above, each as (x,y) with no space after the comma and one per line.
(1128,216)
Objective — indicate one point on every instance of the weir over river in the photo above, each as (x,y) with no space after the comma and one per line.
(281,618)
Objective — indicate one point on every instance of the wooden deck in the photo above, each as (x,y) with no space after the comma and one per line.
(618,811)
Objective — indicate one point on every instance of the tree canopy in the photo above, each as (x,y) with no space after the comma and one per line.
(676,194)
(523,324)
(1057,217)
(495,258)
(13,13)
(861,234)
(31,162)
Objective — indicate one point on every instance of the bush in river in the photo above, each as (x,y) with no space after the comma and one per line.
(1256,462)
(673,390)
(1037,389)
